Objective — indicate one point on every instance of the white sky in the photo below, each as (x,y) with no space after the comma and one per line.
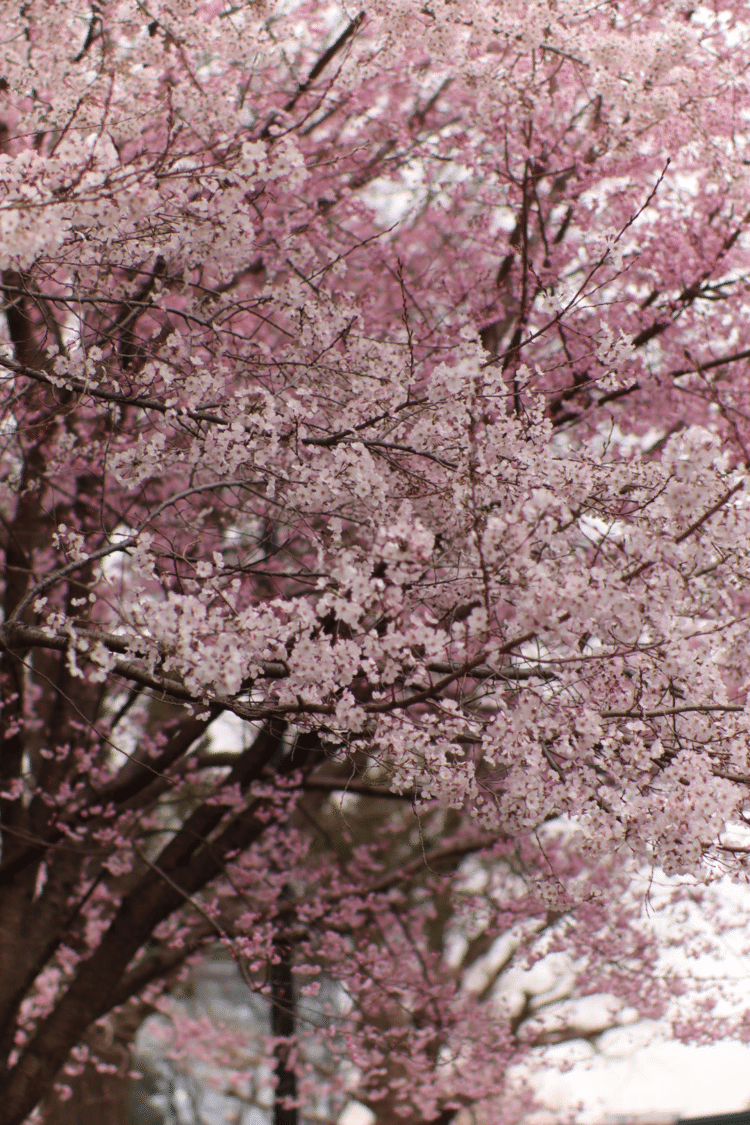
(660,1078)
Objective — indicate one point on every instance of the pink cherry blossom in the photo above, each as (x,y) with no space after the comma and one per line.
(372,387)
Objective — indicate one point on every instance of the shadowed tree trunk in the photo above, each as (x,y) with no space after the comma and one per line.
(100,1097)
(96,1099)
(283,1026)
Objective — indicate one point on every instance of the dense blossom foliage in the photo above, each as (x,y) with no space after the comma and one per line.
(373,382)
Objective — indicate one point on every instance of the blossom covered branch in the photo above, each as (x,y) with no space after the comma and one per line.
(372,396)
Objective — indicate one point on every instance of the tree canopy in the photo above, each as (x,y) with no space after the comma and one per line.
(374,384)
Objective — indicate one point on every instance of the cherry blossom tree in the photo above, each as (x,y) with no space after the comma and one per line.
(433,993)
(374,382)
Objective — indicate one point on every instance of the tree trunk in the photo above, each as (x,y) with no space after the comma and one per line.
(97,1099)
(283,1026)
(101,1098)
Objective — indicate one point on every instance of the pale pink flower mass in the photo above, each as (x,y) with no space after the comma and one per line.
(374,531)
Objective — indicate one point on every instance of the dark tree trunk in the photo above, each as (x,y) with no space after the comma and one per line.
(97,1099)
(101,1098)
(283,1025)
